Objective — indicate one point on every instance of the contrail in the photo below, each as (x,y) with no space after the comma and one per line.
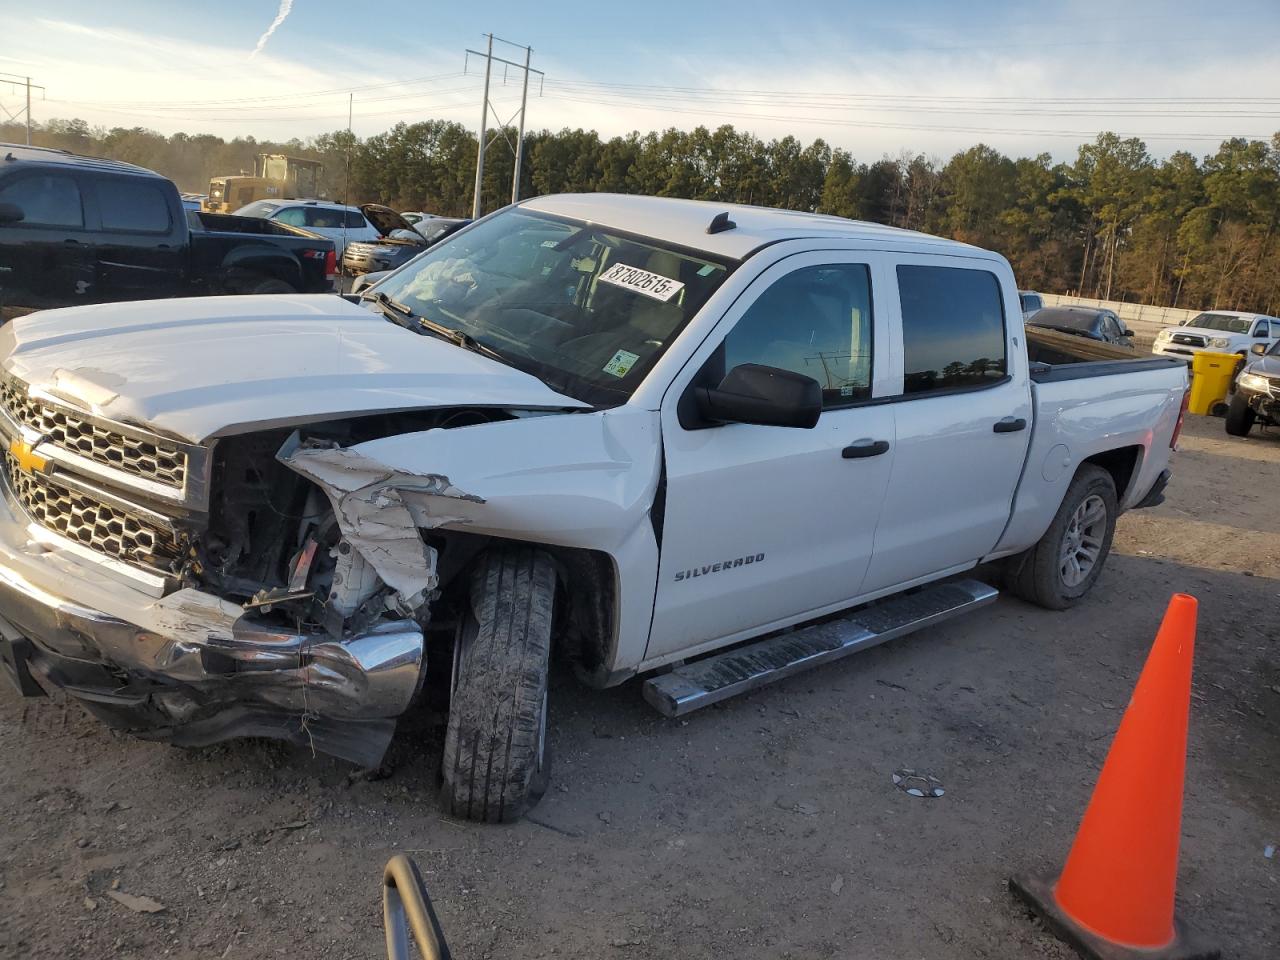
(285,7)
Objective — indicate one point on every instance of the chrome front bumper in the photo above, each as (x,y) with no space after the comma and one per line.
(189,667)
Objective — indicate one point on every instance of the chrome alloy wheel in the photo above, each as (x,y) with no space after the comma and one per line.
(1082,541)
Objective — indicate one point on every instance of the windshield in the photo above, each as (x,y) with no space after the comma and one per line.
(587,310)
(259,208)
(1220,321)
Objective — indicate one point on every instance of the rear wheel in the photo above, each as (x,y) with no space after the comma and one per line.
(1064,565)
(495,765)
(1240,416)
(269,285)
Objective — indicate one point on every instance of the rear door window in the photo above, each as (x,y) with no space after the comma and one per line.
(321,219)
(46,199)
(132,206)
(293,216)
(953,334)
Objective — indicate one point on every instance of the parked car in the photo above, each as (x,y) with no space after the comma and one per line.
(1257,395)
(1091,322)
(194,201)
(77,230)
(1220,331)
(339,223)
(416,216)
(1031,302)
(397,249)
(644,431)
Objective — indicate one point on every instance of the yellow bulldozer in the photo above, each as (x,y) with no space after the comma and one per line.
(275,177)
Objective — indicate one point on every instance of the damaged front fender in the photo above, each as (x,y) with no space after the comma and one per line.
(369,504)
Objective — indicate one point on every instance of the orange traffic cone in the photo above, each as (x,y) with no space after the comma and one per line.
(1114,898)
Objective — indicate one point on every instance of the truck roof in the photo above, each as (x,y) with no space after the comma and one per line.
(1234,313)
(16,153)
(686,223)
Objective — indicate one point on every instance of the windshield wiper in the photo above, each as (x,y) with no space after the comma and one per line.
(460,339)
(457,337)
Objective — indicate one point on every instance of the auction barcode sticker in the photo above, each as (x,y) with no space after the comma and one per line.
(653,285)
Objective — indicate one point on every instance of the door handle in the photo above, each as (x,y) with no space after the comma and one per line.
(1010,425)
(865,448)
(71,243)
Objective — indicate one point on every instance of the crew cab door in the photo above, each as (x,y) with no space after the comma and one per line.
(140,237)
(46,257)
(763,525)
(962,416)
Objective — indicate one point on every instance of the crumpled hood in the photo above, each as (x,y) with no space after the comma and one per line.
(214,366)
(1266,365)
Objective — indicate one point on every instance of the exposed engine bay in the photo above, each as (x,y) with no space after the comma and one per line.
(274,543)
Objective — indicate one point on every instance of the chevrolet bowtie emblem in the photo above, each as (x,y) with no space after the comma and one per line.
(28,460)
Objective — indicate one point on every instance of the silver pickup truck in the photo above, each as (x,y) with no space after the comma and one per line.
(655,434)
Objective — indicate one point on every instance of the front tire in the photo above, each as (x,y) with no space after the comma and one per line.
(1066,562)
(495,765)
(1240,416)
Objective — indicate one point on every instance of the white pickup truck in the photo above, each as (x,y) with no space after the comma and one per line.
(658,436)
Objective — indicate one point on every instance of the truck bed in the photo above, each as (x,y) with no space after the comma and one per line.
(202,222)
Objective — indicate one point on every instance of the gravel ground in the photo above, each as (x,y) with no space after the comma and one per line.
(768,826)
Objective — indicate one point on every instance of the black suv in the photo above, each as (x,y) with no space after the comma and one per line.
(85,230)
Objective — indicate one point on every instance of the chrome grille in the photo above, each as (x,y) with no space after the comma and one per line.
(91,521)
(151,458)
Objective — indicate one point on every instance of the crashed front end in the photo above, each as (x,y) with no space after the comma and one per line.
(255,585)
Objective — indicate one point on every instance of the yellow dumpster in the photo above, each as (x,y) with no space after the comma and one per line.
(1211,376)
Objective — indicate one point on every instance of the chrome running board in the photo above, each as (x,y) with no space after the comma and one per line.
(723,675)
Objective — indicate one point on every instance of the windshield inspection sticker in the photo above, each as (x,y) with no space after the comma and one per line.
(621,363)
(653,285)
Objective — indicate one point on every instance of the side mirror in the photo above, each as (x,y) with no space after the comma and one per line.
(1262,335)
(11,213)
(766,396)
(1258,348)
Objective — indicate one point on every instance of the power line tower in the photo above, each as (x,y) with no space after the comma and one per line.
(487,107)
(12,80)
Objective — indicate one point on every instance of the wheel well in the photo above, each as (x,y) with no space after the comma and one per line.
(586,592)
(1121,463)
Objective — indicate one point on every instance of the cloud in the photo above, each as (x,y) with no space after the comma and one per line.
(281,14)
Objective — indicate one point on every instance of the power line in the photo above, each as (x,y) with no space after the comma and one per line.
(26,82)
(178,104)
(947,98)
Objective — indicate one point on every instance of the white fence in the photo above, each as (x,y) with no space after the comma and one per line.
(1143,319)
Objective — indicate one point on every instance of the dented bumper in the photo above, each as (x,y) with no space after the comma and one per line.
(191,668)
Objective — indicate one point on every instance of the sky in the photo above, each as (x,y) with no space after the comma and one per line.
(877,79)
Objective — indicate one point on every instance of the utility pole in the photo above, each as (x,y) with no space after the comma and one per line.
(486,108)
(524,99)
(26,82)
(484,119)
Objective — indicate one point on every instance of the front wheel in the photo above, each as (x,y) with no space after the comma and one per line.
(1066,562)
(495,764)
(1240,416)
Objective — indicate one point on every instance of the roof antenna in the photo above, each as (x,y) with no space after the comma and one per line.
(720,223)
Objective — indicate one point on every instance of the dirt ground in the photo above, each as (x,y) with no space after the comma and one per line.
(768,826)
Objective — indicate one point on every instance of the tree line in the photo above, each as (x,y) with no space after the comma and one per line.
(1114,222)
